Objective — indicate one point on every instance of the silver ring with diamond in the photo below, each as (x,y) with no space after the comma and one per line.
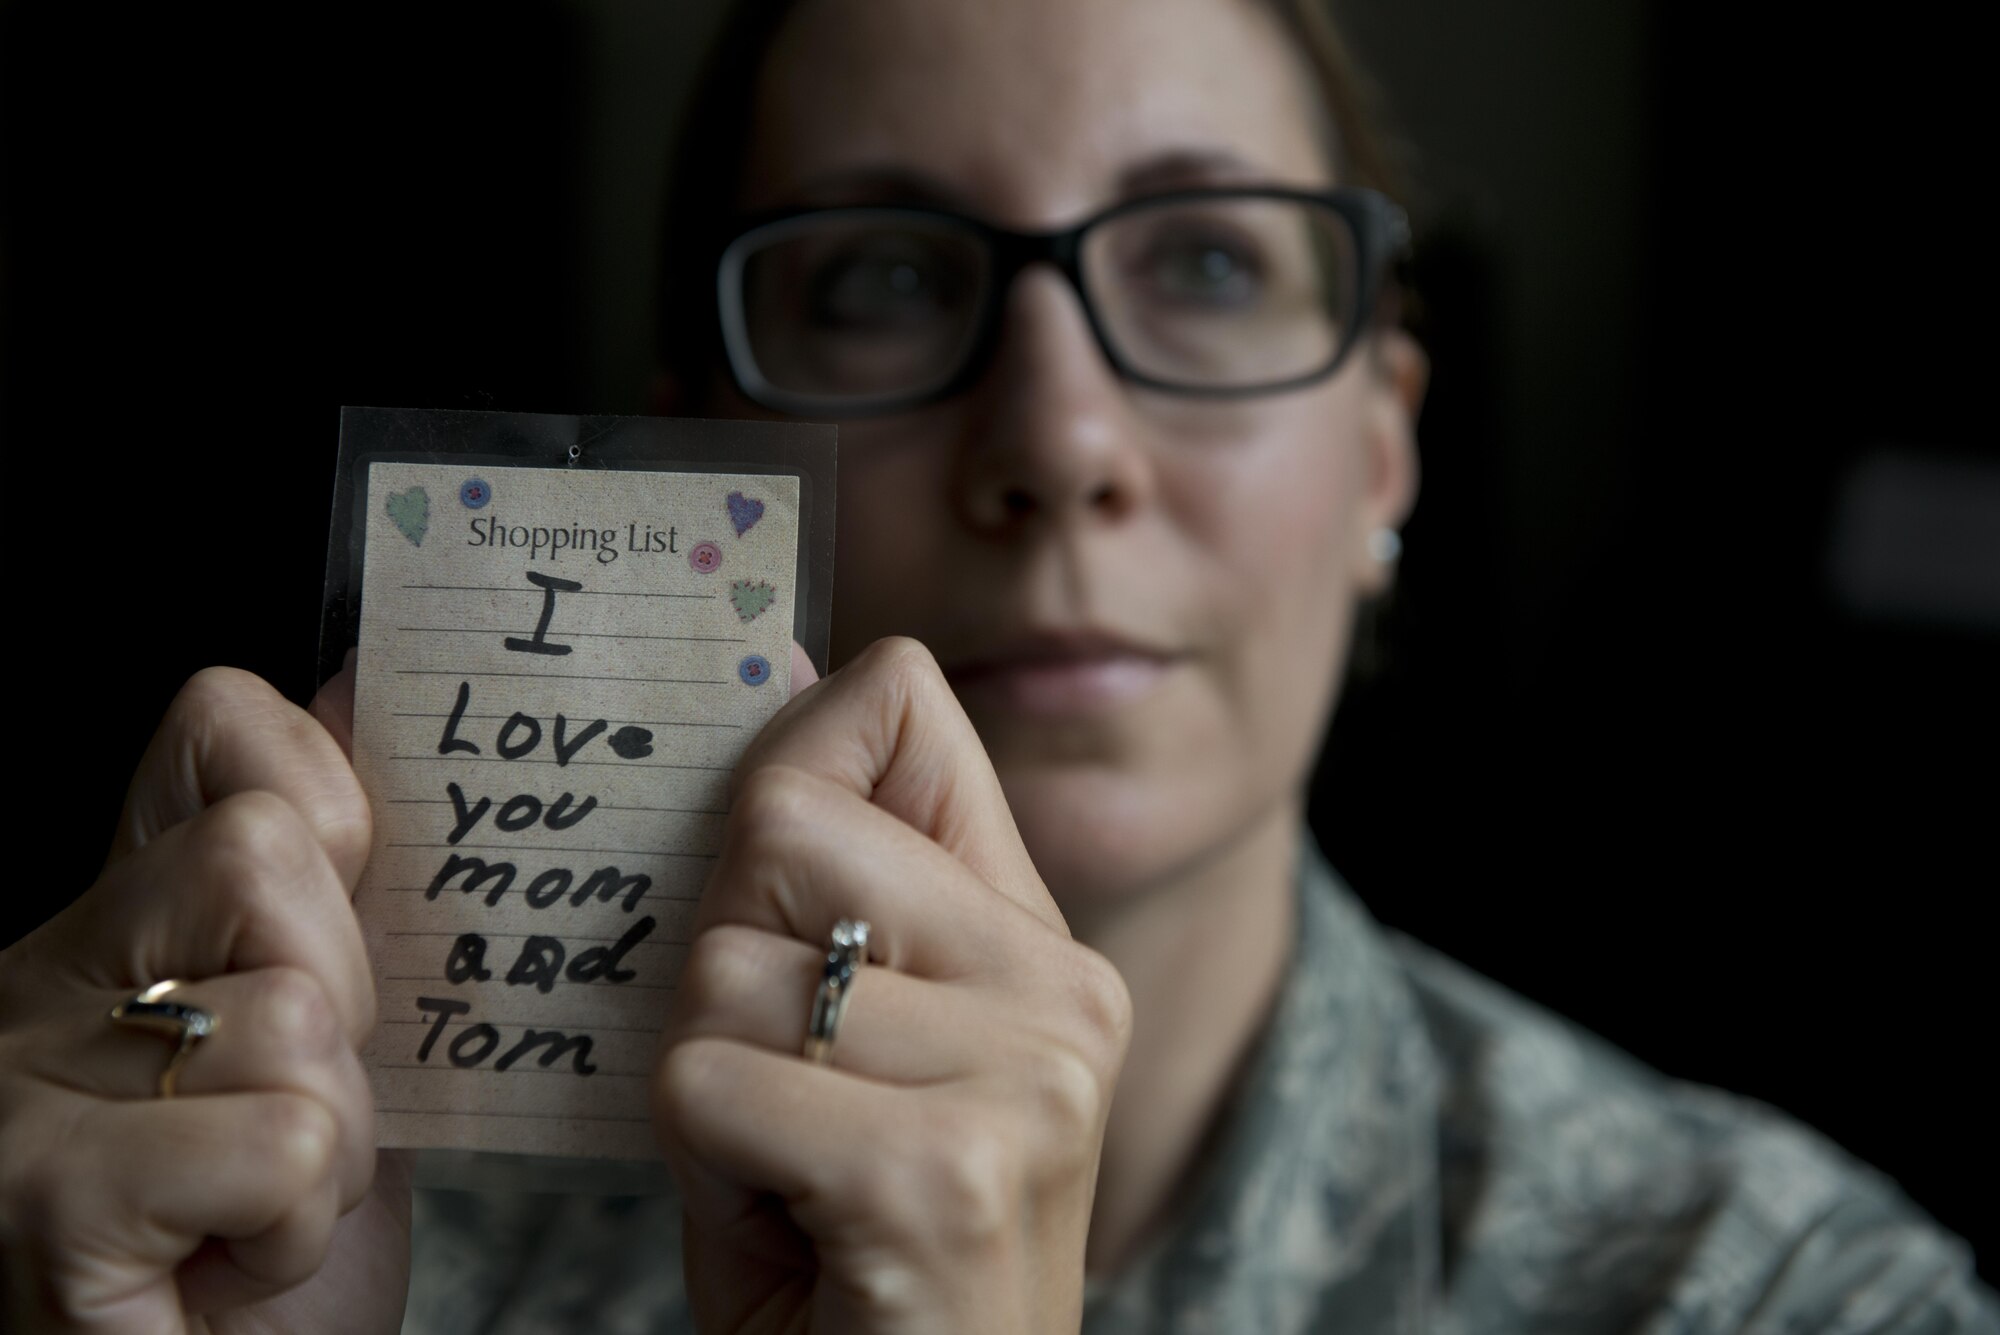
(844,958)
(184,1026)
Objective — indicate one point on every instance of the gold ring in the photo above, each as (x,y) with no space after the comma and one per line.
(184,1026)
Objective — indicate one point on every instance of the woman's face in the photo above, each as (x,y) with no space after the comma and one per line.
(1142,600)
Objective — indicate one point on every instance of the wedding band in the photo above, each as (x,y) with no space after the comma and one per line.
(844,958)
(184,1026)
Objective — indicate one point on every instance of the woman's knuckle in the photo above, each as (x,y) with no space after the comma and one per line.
(1102,1002)
(709,980)
(1067,1096)
(972,1183)
(296,1013)
(215,709)
(219,711)
(212,697)
(342,820)
(685,1075)
(252,844)
(903,666)
(773,801)
(302,1137)
(739,966)
(900,653)
(888,1285)
(324,783)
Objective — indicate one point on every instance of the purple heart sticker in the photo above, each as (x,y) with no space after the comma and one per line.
(744,512)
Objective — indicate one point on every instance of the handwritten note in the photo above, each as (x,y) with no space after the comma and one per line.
(557,671)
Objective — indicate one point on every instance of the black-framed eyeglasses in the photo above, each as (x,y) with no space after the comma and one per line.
(850,311)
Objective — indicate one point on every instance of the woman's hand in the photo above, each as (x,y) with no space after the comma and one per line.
(242,838)
(938,1175)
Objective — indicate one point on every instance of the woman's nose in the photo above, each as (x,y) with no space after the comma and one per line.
(1050,434)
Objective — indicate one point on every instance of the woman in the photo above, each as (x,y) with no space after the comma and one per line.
(1097,579)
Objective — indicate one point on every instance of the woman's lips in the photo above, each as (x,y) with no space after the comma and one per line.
(1058,678)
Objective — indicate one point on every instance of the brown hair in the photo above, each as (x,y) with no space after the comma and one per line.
(706,168)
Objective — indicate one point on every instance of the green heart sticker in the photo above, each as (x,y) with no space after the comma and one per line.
(750,598)
(410,512)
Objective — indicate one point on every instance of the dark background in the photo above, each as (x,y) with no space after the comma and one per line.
(1684,725)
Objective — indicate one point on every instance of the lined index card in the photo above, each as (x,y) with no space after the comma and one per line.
(557,671)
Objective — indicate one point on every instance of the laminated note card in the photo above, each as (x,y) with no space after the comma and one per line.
(566,636)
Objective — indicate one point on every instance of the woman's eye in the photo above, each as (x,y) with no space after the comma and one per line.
(875,287)
(1204,271)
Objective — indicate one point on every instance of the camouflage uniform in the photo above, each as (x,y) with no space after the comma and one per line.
(1414,1149)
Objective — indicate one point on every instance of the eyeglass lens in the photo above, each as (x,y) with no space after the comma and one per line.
(863,305)
(1211,294)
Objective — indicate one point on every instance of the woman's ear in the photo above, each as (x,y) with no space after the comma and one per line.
(1400,373)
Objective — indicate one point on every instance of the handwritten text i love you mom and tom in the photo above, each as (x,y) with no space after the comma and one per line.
(555,674)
